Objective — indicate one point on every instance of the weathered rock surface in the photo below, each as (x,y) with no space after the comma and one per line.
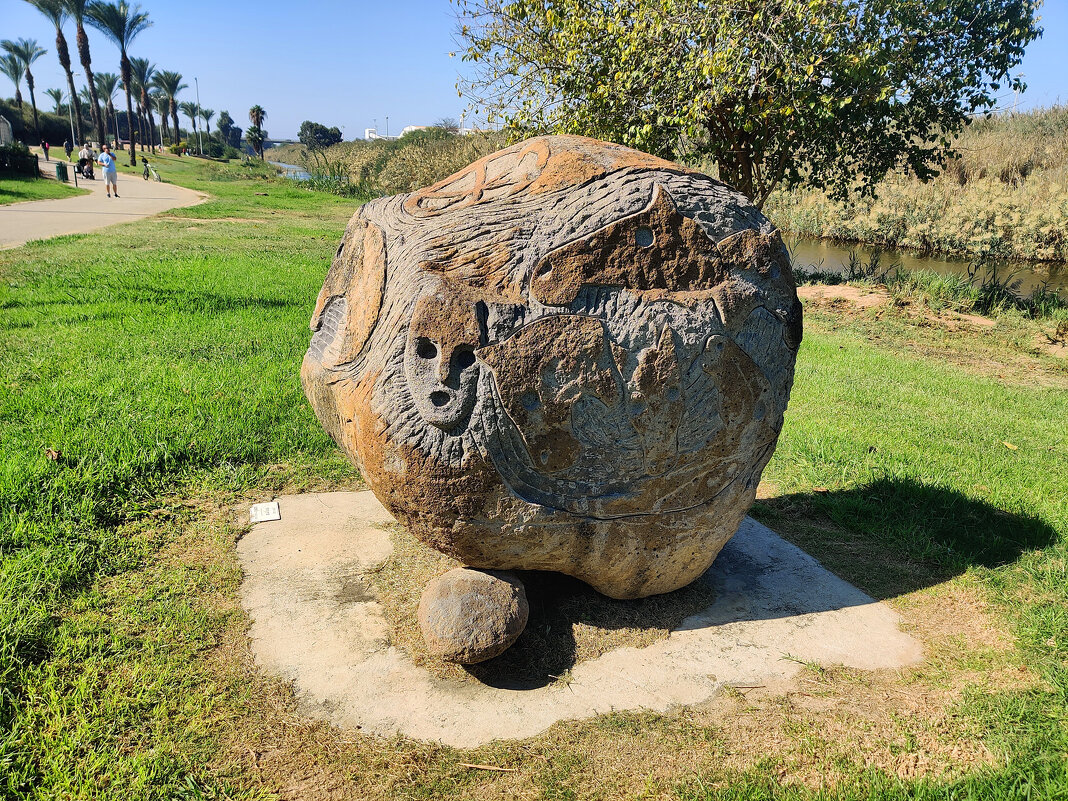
(568,356)
(469,616)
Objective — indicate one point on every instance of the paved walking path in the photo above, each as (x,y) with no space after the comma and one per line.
(41,219)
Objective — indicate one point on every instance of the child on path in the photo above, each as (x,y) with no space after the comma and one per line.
(68,148)
(111,172)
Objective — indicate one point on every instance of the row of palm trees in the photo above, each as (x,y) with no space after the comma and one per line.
(145,87)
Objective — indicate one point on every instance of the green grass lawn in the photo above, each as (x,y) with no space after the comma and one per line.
(149,385)
(16,190)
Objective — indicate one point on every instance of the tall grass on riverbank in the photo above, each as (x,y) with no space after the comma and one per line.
(381,167)
(1005,197)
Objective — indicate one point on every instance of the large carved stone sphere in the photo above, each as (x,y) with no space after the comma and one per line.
(568,356)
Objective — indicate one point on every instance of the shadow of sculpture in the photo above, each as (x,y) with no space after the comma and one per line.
(883,539)
(894,536)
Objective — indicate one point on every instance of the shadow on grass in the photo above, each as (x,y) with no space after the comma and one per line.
(888,538)
(895,536)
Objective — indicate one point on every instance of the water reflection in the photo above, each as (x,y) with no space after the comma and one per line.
(833,257)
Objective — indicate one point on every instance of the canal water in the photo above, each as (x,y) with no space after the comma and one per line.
(834,257)
(293,171)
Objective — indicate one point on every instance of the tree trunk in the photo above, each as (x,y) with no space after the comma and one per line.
(151,129)
(124,68)
(87,65)
(64,61)
(174,120)
(33,103)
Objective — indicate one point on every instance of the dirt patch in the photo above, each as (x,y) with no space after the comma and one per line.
(1055,343)
(861,297)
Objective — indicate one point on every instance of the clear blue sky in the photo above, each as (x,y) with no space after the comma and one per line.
(351,63)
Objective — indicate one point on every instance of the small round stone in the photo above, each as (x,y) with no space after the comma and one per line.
(469,615)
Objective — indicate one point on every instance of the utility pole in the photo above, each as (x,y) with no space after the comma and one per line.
(387,126)
(70,117)
(200,142)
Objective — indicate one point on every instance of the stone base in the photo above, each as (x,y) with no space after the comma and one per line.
(315,624)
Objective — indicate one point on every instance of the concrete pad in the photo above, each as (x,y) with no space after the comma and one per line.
(42,219)
(316,625)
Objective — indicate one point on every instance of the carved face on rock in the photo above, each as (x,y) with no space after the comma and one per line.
(577,351)
(439,359)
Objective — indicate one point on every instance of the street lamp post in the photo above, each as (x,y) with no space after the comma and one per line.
(200,142)
(70,118)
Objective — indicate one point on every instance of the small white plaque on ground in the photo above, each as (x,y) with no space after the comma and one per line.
(262,512)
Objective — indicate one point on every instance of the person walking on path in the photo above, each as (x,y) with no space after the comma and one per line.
(68,148)
(111,172)
(44,147)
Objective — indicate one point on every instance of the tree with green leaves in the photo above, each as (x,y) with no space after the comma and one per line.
(27,51)
(206,114)
(163,105)
(121,23)
(230,133)
(13,69)
(255,135)
(107,84)
(189,109)
(316,136)
(56,13)
(143,73)
(56,96)
(78,10)
(829,93)
(170,84)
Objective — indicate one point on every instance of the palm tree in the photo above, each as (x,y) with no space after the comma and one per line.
(121,23)
(170,84)
(57,98)
(143,73)
(163,105)
(256,115)
(77,10)
(206,114)
(56,13)
(27,51)
(106,85)
(190,110)
(13,69)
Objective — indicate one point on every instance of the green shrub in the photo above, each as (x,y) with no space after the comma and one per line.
(16,159)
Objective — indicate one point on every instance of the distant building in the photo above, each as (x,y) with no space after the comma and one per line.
(372,133)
